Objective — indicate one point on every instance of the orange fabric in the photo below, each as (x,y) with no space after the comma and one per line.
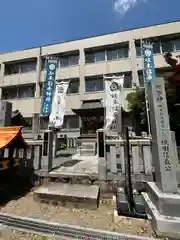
(7,135)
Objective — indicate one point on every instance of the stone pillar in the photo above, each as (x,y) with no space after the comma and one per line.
(101,153)
(47,153)
(162,149)
(35,124)
(162,200)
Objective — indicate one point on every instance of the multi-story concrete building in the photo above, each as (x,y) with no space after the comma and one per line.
(84,62)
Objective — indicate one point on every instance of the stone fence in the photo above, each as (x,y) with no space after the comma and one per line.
(112,165)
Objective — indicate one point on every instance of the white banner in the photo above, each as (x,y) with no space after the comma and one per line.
(113,90)
(56,117)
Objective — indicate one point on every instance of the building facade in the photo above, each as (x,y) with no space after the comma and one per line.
(83,62)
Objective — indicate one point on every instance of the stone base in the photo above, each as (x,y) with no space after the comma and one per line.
(163,210)
(77,195)
(167,204)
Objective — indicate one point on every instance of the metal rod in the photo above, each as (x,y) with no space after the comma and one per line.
(128,180)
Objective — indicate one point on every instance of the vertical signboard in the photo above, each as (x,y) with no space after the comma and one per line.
(49,86)
(149,68)
(162,151)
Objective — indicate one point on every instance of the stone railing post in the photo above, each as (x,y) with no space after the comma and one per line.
(47,151)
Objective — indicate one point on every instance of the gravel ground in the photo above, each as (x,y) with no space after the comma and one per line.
(8,234)
(102,218)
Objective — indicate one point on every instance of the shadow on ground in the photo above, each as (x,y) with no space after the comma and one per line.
(69,163)
(14,186)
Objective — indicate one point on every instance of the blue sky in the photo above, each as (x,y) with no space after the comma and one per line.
(26,24)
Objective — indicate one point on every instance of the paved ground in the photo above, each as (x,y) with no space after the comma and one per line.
(63,156)
(88,166)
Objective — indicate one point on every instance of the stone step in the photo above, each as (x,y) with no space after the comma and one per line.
(88,145)
(87,152)
(80,196)
(85,140)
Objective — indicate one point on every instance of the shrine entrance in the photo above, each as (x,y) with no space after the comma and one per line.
(90,124)
(91,114)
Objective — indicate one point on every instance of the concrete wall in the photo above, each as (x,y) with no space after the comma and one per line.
(133,63)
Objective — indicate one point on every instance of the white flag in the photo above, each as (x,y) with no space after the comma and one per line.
(113,96)
(56,118)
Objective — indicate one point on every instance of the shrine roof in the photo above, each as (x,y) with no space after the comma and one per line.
(91,104)
(12,136)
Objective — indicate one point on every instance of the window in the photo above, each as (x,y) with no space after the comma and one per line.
(28,66)
(64,62)
(112,54)
(127,78)
(26,92)
(100,56)
(18,92)
(67,61)
(73,86)
(71,121)
(12,69)
(74,60)
(123,52)
(157,47)
(23,67)
(94,85)
(118,53)
(89,58)
(93,57)
(176,44)
(138,51)
(162,46)
(9,93)
(166,46)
